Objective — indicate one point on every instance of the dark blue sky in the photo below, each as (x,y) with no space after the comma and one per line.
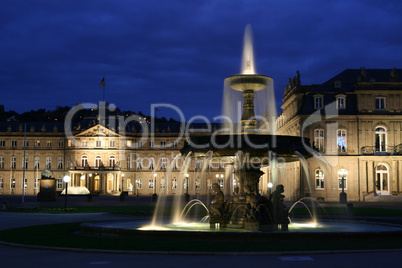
(179,52)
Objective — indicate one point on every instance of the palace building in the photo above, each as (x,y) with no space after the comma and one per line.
(353,122)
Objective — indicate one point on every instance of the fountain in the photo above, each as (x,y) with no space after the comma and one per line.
(245,152)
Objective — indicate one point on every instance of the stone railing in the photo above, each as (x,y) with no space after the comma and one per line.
(391,150)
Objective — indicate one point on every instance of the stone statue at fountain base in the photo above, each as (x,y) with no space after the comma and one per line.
(279,210)
(216,210)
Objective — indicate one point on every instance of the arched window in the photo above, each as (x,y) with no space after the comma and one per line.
(139,163)
(380,139)
(382,180)
(319,140)
(151,163)
(98,161)
(84,161)
(112,161)
(341,140)
(319,179)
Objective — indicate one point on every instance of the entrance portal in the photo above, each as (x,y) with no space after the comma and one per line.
(382,180)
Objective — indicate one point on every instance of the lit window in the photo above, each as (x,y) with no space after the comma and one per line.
(319,179)
(380,103)
(151,163)
(139,163)
(26,162)
(36,183)
(197,184)
(174,183)
(341,140)
(12,183)
(342,179)
(319,140)
(318,101)
(37,143)
(25,183)
(1,183)
(1,162)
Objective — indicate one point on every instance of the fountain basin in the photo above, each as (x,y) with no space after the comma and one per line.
(244,82)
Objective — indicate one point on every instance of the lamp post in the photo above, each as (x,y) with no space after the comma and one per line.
(66,179)
(270,185)
(122,182)
(186,195)
(343,195)
(154,196)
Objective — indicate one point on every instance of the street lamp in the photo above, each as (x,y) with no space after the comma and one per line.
(343,196)
(122,181)
(270,185)
(66,179)
(154,196)
(186,195)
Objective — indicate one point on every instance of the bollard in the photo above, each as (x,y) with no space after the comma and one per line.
(349,210)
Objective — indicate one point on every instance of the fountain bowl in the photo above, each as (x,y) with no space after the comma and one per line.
(244,82)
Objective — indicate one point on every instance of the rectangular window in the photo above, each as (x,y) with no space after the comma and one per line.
(342,179)
(26,162)
(98,143)
(150,183)
(84,144)
(341,140)
(174,144)
(151,163)
(48,162)
(13,163)
(36,183)
(13,143)
(26,144)
(163,183)
(12,183)
(69,143)
(139,163)
(380,103)
(1,183)
(220,182)
(139,183)
(59,183)
(112,143)
(2,143)
(151,144)
(25,183)
(318,101)
(60,163)
(1,162)
(163,144)
(48,144)
(128,162)
(37,144)
(174,183)
(163,163)
(319,140)
(36,164)
(129,144)
(139,144)
(319,179)
(61,144)
(340,103)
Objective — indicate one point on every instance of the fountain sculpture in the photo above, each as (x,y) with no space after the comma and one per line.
(247,209)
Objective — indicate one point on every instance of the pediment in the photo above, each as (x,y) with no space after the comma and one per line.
(98,131)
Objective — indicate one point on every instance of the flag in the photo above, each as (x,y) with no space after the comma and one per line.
(102,83)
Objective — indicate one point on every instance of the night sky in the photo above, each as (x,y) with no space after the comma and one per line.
(179,52)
